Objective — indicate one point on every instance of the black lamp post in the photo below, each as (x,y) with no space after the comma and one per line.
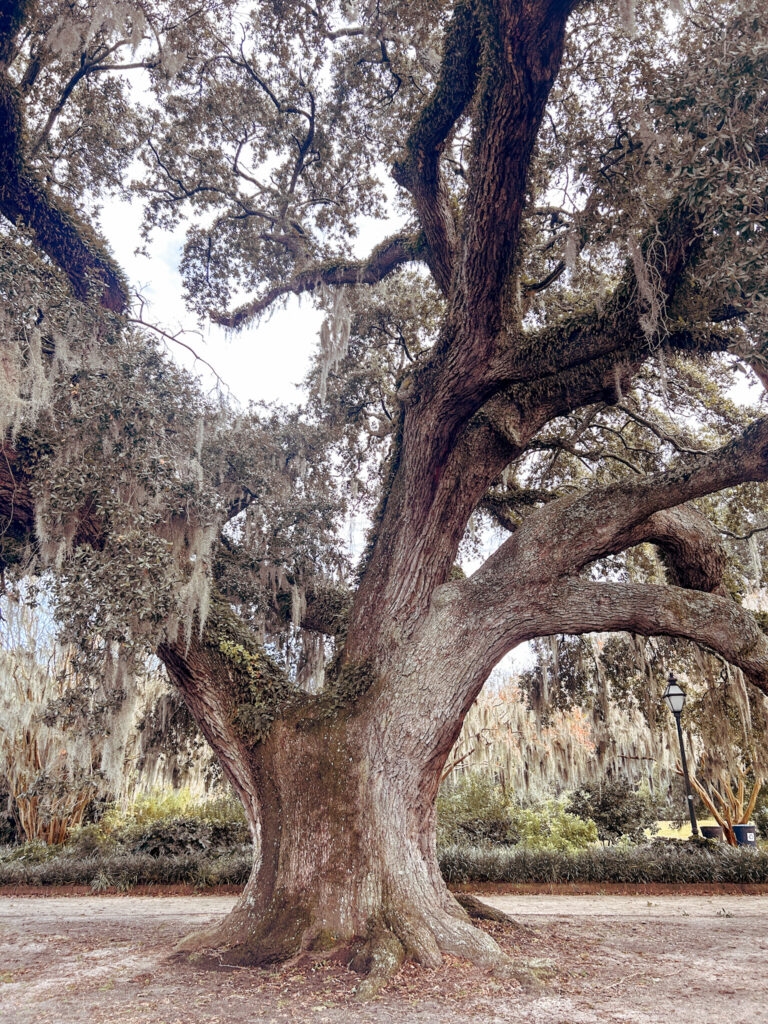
(674,695)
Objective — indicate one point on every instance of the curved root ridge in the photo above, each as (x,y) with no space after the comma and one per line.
(281,934)
(478,910)
(380,959)
(461,938)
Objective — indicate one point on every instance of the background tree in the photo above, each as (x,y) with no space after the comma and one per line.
(580,271)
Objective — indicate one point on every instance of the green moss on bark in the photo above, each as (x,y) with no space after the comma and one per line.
(260,689)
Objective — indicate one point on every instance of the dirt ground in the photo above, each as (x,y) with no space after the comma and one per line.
(636,959)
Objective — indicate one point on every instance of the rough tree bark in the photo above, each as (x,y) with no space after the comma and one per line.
(341,801)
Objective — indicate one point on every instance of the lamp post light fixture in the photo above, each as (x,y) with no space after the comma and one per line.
(674,695)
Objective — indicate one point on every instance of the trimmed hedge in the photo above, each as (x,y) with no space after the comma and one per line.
(123,871)
(660,861)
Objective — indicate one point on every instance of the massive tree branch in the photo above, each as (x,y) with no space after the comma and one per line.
(385,258)
(691,546)
(667,250)
(532,380)
(201,675)
(60,234)
(508,610)
(506,425)
(711,620)
(605,520)
(418,168)
(522,47)
(521,50)
(629,504)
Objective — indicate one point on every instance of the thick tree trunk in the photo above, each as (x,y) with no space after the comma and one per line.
(345,817)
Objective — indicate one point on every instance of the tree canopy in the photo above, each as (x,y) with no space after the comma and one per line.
(551,342)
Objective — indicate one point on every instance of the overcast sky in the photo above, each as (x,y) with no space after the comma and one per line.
(267,361)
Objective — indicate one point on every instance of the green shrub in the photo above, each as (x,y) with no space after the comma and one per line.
(161,805)
(33,852)
(617,809)
(164,825)
(177,836)
(551,827)
(476,811)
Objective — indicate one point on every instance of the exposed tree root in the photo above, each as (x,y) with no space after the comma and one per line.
(532,975)
(286,931)
(480,911)
(379,959)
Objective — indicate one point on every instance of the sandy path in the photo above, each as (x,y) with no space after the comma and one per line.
(630,959)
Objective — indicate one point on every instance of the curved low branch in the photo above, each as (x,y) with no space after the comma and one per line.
(385,258)
(711,620)
(691,546)
(508,611)
(605,520)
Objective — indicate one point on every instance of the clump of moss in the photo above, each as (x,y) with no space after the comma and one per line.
(348,684)
(259,687)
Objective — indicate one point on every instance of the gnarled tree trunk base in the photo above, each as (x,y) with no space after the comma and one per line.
(345,820)
(396,933)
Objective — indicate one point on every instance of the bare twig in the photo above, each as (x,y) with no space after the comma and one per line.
(139,321)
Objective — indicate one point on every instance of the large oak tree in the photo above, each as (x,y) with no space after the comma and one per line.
(549,341)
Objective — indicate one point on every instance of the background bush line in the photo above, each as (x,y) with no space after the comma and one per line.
(675,862)
(175,838)
(670,862)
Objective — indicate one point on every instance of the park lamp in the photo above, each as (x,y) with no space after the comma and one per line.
(674,695)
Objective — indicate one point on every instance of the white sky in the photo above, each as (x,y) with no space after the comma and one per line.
(266,361)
